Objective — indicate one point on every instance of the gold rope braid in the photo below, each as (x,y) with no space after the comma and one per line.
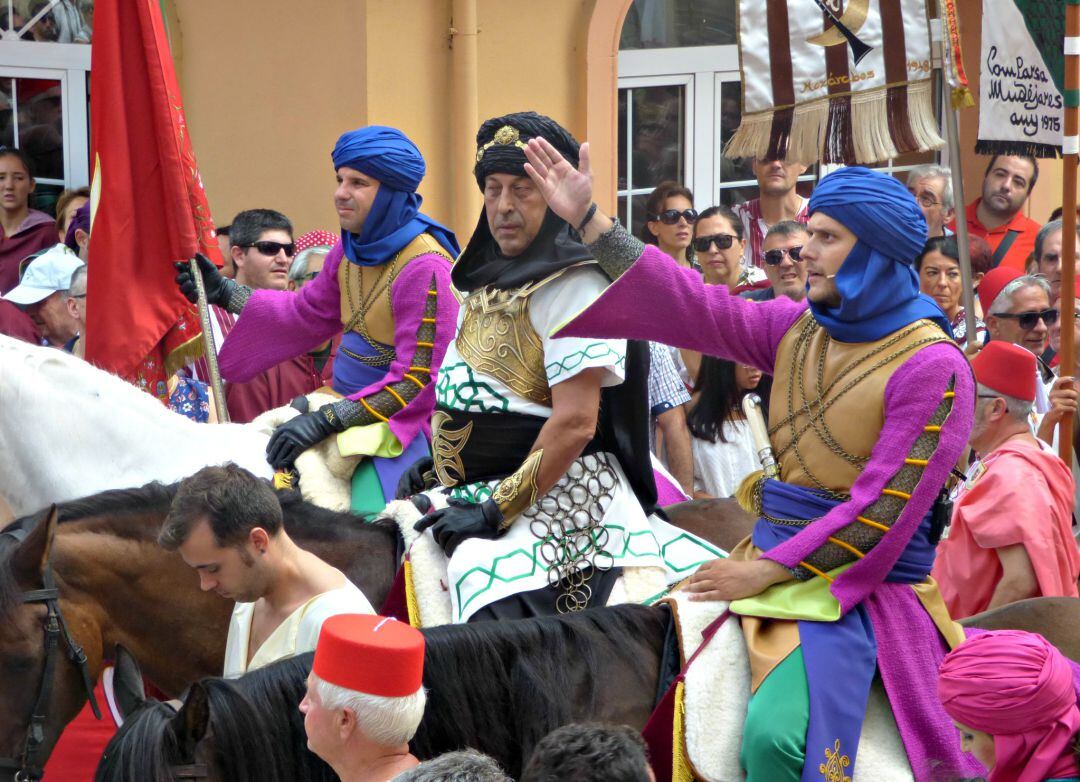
(857,538)
(361,304)
(815,408)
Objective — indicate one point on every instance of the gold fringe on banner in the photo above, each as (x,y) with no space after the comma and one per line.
(820,130)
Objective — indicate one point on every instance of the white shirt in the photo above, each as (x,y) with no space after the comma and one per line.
(297,634)
(720,467)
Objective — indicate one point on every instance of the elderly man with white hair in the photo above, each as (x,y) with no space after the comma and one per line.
(932,187)
(365,696)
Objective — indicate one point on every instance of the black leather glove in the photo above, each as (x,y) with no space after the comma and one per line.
(462,520)
(416,479)
(298,434)
(217,285)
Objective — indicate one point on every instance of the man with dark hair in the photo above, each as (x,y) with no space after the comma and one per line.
(996,215)
(589,753)
(227,525)
(261,247)
(872,404)
(225,246)
(388,285)
(783,263)
(564,486)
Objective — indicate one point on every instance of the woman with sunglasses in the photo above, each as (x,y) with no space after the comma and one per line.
(718,246)
(670,218)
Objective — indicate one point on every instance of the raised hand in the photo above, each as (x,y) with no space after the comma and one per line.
(567,190)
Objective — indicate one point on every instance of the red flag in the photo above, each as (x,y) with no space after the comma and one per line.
(148,204)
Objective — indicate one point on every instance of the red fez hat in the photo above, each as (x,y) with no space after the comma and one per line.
(993,283)
(370,654)
(1006,368)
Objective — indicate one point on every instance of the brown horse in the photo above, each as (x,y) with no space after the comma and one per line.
(117,586)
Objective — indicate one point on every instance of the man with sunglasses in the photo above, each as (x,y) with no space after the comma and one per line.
(784,266)
(871,407)
(1018,310)
(387,285)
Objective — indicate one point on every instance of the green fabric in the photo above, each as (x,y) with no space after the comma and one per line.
(367,492)
(809,600)
(370,440)
(1045,23)
(774,735)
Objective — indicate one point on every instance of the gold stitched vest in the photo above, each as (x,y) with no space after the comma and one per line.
(845,380)
(497,338)
(358,283)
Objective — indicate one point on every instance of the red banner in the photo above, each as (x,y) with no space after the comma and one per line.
(148,205)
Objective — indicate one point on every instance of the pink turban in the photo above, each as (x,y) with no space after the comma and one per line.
(316,239)
(1018,688)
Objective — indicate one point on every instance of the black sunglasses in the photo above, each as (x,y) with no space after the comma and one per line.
(671,216)
(776,257)
(723,242)
(273,248)
(1027,320)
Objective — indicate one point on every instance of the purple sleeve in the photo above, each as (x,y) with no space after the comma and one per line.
(912,395)
(658,300)
(278,325)
(409,296)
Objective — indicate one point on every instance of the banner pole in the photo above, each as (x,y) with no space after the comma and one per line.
(208,345)
(1069,150)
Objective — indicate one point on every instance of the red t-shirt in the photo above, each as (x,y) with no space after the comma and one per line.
(16,323)
(1022,246)
(37,232)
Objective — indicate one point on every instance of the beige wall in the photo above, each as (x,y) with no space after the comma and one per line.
(268,86)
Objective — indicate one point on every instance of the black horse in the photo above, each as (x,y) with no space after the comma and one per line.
(497,687)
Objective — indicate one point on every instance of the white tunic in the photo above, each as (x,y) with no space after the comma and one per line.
(297,634)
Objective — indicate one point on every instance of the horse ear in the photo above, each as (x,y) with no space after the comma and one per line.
(30,557)
(191,722)
(127,683)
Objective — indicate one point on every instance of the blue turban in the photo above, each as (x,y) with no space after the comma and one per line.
(386,154)
(879,288)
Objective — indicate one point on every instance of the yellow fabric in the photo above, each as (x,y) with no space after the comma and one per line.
(410,596)
(370,440)
(680,767)
(810,600)
(934,603)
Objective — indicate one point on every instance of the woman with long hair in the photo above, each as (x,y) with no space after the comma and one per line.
(723,447)
(670,218)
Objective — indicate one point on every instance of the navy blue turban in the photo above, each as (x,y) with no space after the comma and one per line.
(878,286)
(387,154)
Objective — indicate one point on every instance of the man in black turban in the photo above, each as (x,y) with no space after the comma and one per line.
(536,474)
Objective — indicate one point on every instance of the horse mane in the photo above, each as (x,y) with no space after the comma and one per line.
(500,687)
(143,748)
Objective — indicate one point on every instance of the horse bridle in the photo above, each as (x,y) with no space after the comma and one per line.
(55,627)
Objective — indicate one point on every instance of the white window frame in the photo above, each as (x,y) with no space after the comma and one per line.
(69,63)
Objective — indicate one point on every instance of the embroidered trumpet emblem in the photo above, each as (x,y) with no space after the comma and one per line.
(832,770)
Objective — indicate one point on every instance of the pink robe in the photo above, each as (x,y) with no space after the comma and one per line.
(1024,497)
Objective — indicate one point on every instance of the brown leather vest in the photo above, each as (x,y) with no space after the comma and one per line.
(847,381)
(375,282)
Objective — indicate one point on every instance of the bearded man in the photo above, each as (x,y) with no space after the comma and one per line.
(546,481)
(385,288)
(871,406)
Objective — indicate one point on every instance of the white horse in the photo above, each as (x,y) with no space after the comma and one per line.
(68,430)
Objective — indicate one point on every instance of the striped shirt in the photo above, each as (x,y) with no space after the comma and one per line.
(754,228)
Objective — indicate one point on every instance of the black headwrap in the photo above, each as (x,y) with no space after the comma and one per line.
(500,145)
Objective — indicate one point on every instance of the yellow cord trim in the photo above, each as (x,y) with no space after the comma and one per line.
(374,412)
(425,344)
(410,596)
(418,383)
(432,293)
(817,572)
(846,546)
(870,523)
(680,768)
(949,395)
(896,493)
(420,369)
(932,428)
(917,462)
(427,320)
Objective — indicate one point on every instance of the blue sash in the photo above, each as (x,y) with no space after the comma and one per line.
(840,656)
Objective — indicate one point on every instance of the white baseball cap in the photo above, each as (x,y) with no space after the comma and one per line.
(50,272)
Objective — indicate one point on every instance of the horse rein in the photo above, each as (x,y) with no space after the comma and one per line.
(55,630)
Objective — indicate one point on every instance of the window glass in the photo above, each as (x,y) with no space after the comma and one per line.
(47,21)
(664,24)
